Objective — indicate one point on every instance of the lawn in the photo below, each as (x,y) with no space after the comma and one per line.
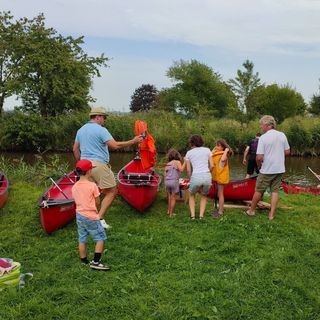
(235,267)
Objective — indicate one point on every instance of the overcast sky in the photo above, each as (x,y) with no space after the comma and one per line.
(144,37)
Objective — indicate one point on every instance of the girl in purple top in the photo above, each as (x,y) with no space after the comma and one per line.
(171,175)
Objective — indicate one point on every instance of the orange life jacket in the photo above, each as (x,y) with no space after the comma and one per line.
(147,147)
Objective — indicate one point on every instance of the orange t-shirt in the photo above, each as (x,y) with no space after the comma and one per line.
(85,193)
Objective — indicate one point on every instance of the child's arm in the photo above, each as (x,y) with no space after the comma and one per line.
(97,201)
(180,166)
(211,164)
(165,171)
(225,155)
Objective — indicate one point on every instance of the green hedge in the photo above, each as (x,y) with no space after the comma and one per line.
(22,132)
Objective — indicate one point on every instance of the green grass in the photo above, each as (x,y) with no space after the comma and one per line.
(231,268)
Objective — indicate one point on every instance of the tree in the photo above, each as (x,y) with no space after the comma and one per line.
(144,98)
(315,104)
(54,74)
(11,56)
(245,82)
(279,101)
(198,89)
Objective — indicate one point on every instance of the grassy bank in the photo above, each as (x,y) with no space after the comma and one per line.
(233,268)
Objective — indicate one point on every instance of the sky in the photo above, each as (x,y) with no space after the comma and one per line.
(143,38)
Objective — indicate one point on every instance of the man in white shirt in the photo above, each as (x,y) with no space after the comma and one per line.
(272,148)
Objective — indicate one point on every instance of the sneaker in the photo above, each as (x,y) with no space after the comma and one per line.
(216,214)
(104,224)
(99,266)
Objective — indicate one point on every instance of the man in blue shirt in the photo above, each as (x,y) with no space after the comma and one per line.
(92,142)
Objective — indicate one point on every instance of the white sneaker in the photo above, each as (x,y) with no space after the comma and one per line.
(104,224)
(99,266)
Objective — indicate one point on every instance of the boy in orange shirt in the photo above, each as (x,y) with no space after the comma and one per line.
(86,195)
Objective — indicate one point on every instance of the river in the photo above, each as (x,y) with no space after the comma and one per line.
(296,167)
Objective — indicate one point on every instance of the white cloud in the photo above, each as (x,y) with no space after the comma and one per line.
(233,24)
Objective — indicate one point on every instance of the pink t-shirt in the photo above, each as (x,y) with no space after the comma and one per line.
(85,193)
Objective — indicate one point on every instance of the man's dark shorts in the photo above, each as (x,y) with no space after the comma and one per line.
(269,180)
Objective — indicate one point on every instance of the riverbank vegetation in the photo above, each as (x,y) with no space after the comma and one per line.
(231,268)
(31,132)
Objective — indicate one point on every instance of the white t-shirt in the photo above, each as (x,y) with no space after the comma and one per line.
(272,145)
(199,159)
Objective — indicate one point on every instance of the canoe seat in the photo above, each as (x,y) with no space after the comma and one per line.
(137,177)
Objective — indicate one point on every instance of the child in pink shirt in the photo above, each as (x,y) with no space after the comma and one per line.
(86,196)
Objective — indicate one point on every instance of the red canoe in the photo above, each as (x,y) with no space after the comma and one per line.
(4,185)
(235,190)
(295,188)
(57,206)
(138,186)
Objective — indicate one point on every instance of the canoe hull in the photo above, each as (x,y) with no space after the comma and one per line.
(235,190)
(58,208)
(56,216)
(4,186)
(295,189)
(138,186)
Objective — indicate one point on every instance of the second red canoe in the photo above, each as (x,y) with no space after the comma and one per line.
(138,186)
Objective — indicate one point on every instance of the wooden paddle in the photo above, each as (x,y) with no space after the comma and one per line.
(316,175)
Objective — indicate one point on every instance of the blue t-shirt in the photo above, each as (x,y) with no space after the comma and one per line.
(92,138)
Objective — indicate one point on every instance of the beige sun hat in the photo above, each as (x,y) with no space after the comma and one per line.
(98,111)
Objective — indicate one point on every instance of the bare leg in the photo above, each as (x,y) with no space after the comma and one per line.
(109,195)
(99,247)
(82,250)
(256,198)
(274,203)
(203,204)
(169,202)
(172,203)
(221,197)
(192,205)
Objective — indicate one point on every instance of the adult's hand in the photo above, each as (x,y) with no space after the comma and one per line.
(138,139)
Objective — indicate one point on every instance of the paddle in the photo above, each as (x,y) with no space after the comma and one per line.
(58,188)
(316,175)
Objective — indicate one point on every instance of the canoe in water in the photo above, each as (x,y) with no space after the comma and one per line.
(235,190)
(4,186)
(138,186)
(296,188)
(57,207)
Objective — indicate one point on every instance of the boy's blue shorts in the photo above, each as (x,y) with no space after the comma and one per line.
(93,227)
